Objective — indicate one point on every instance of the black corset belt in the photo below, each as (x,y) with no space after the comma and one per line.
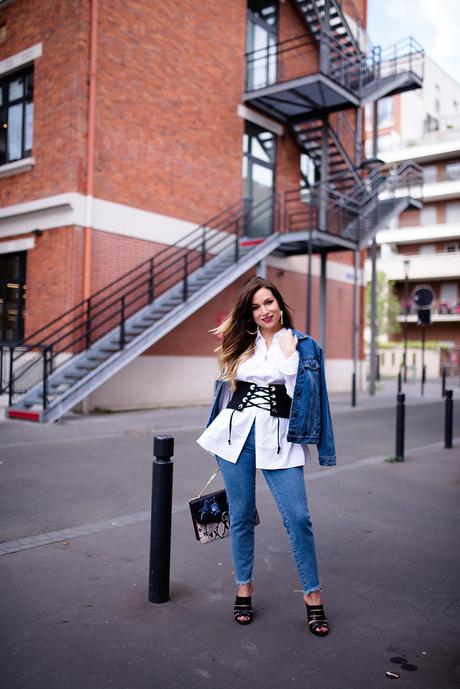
(272,398)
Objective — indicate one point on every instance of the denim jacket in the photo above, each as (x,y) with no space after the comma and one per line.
(310,419)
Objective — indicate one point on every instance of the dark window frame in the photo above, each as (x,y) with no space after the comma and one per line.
(5,281)
(27,76)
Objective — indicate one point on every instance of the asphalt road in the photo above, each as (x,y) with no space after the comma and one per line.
(88,469)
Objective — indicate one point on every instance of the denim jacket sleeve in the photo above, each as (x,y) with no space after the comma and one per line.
(326,444)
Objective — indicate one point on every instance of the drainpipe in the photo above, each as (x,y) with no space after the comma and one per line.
(88,237)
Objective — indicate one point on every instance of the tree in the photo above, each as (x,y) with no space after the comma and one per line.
(388,306)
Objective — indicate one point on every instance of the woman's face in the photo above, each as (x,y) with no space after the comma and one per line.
(266,311)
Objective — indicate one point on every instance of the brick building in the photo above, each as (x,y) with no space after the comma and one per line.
(152,159)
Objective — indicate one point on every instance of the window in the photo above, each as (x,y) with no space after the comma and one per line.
(452,248)
(449,293)
(385,112)
(368,115)
(12,296)
(453,170)
(427,249)
(428,215)
(261,43)
(16,116)
(430,173)
(259,148)
(307,171)
(437,99)
(453,211)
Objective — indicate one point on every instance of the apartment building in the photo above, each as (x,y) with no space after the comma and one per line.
(422,246)
(152,159)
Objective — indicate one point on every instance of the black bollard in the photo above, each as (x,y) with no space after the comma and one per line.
(377,368)
(444,373)
(423,379)
(353,389)
(399,383)
(400,419)
(449,418)
(160,525)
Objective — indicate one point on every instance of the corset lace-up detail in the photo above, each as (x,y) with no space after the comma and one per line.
(272,398)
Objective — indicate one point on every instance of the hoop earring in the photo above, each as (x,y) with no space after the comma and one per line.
(250,333)
(281,319)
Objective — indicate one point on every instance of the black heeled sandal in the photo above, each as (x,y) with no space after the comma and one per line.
(243,608)
(317,618)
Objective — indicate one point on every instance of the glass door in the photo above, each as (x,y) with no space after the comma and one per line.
(261,44)
(12,296)
(259,180)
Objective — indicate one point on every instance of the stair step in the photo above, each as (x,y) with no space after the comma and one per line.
(73,376)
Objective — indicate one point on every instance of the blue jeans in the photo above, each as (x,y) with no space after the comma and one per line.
(288,489)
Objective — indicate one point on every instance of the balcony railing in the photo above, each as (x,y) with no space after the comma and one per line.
(438,309)
(406,55)
(298,57)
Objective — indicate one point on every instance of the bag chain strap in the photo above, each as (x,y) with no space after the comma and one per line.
(207,484)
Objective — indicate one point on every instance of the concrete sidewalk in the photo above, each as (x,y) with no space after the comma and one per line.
(75,613)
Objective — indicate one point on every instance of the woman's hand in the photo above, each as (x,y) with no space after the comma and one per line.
(288,343)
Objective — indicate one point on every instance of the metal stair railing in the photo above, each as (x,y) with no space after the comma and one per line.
(301,206)
(406,55)
(75,330)
(384,186)
(292,59)
(301,209)
(353,33)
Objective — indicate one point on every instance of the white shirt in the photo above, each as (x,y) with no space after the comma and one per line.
(263,367)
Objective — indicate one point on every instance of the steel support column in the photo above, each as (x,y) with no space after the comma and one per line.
(322,302)
(261,270)
(375,130)
(358,137)
(324,45)
(356,308)
(324,175)
(373,323)
(309,281)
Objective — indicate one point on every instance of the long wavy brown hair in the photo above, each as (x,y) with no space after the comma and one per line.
(238,330)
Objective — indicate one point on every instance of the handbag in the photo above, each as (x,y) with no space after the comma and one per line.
(210,514)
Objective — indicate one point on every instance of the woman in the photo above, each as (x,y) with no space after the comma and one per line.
(270,402)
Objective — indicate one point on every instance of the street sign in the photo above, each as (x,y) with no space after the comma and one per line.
(423,296)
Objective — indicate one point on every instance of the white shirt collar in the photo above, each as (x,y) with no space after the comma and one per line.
(259,335)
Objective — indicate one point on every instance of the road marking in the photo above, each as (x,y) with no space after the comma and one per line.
(9,547)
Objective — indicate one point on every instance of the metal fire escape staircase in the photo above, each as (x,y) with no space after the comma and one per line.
(385,196)
(62,363)
(339,142)
(352,218)
(315,93)
(381,73)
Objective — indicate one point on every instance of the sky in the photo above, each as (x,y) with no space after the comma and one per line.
(434,24)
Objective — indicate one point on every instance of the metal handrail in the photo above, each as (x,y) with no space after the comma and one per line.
(283,61)
(113,305)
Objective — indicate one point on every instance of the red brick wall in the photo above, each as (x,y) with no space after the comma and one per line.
(410,218)
(302,57)
(114,255)
(53,275)
(192,338)
(170,78)
(60,94)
